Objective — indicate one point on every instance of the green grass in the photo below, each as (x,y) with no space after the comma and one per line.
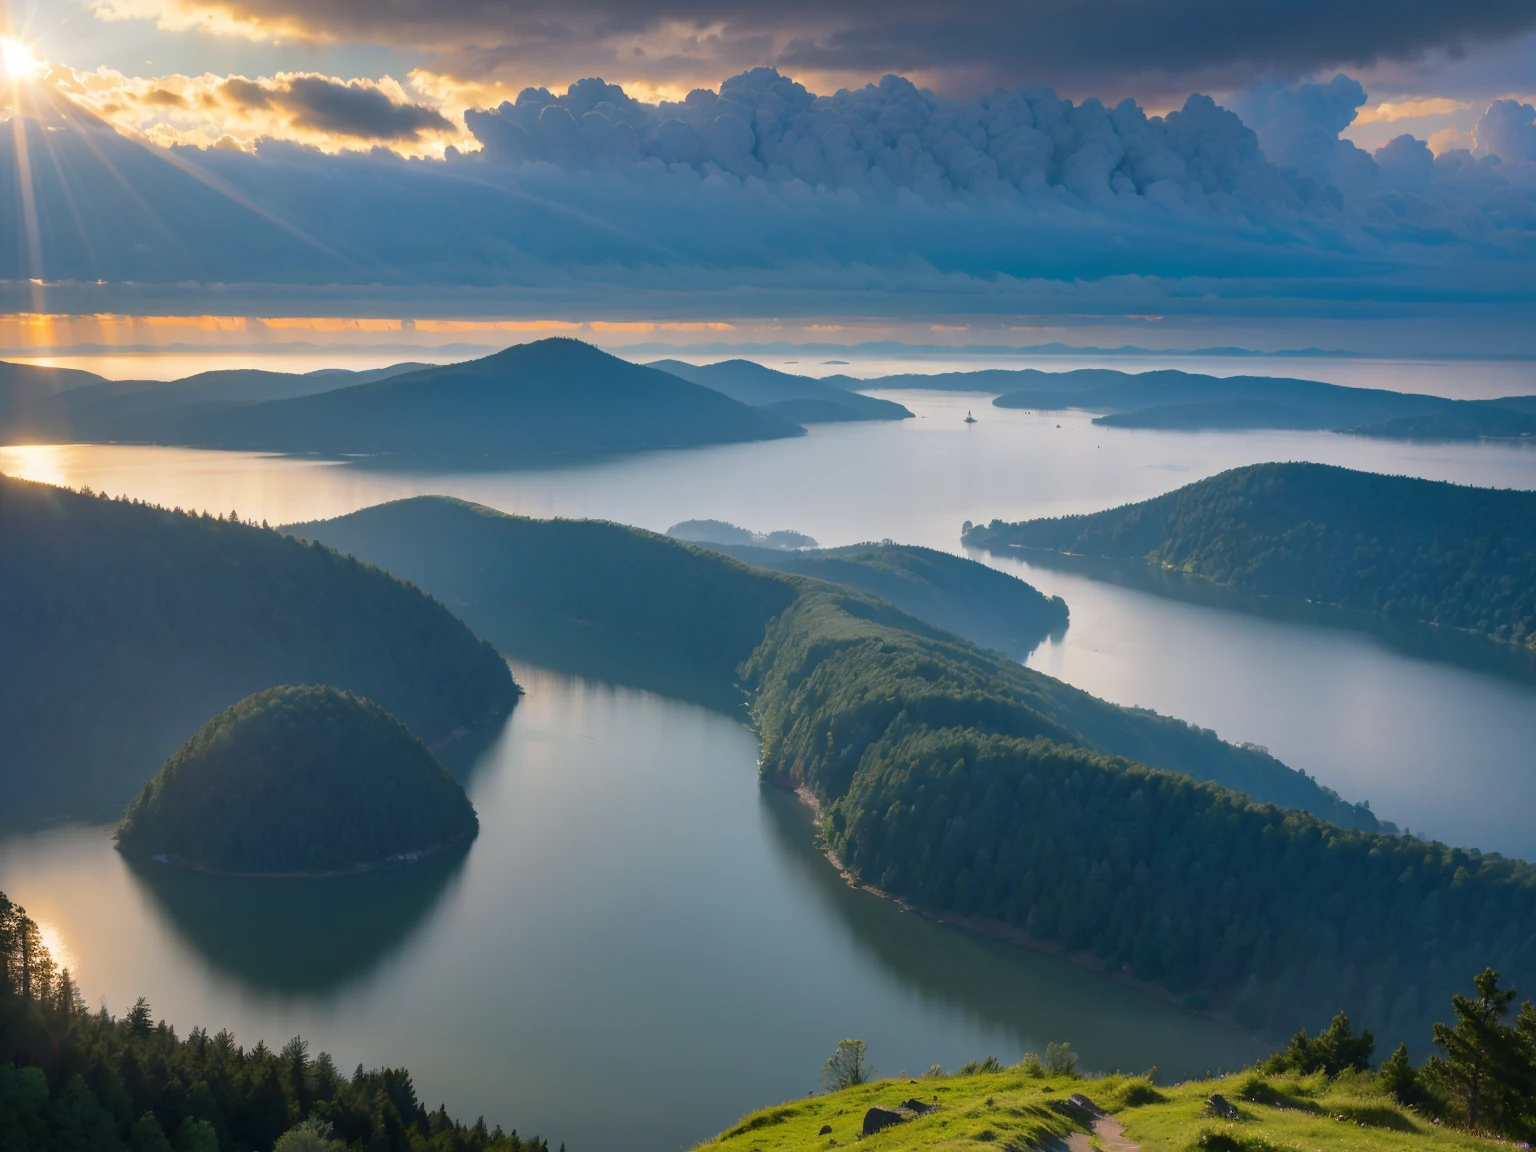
(1013,1110)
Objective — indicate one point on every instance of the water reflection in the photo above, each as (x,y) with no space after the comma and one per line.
(1405,637)
(1035,999)
(300,936)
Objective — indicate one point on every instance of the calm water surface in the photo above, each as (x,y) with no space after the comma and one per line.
(641,945)
(640,923)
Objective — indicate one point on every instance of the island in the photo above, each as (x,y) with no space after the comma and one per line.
(127,625)
(724,532)
(298,781)
(1408,549)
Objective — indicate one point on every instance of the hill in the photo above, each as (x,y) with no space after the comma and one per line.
(503,573)
(1408,549)
(802,399)
(989,608)
(533,404)
(1026,1106)
(25,384)
(963,783)
(298,780)
(153,410)
(128,625)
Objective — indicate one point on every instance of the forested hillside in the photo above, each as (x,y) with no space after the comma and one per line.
(76,1080)
(1408,549)
(295,780)
(963,782)
(128,625)
(683,599)
(990,608)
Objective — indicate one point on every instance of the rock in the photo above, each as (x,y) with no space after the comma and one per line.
(1078,1100)
(877,1118)
(1219,1106)
(826,1130)
(918,1106)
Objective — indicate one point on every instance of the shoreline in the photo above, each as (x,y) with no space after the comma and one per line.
(416,856)
(999,929)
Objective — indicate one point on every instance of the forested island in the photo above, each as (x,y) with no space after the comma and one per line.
(723,532)
(298,781)
(128,625)
(1191,401)
(988,607)
(77,1080)
(970,786)
(1407,549)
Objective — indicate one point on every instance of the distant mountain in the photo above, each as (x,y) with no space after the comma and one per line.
(541,403)
(803,399)
(1171,399)
(153,410)
(1408,549)
(722,532)
(994,380)
(126,626)
(989,608)
(22,385)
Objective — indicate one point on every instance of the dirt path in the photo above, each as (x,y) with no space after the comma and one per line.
(1111,1134)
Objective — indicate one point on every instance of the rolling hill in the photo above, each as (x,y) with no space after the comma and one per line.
(1408,549)
(100,410)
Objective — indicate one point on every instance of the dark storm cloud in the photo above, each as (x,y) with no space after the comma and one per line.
(353,110)
(1003,40)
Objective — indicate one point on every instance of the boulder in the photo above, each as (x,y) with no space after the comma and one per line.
(918,1106)
(826,1130)
(1220,1107)
(877,1118)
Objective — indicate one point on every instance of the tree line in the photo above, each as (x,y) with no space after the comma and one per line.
(75,1080)
(1402,547)
(952,782)
(128,625)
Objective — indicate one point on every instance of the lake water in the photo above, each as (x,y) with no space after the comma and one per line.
(643,942)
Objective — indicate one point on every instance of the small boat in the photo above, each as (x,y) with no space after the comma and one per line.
(969,419)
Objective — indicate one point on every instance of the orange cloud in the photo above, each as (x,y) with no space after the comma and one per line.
(324,112)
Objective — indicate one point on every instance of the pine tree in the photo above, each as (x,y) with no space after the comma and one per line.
(1479,1050)
(1400,1078)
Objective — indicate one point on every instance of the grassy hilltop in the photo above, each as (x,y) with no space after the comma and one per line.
(1014,1110)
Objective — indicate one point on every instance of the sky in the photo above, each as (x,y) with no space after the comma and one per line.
(1160,172)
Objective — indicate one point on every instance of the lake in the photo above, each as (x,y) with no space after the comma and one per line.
(643,943)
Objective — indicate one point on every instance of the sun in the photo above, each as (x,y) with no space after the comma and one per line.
(19,62)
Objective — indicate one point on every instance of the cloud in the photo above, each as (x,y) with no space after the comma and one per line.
(763,199)
(234,112)
(356,111)
(667,42)
(1507,130)
(1388,112)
